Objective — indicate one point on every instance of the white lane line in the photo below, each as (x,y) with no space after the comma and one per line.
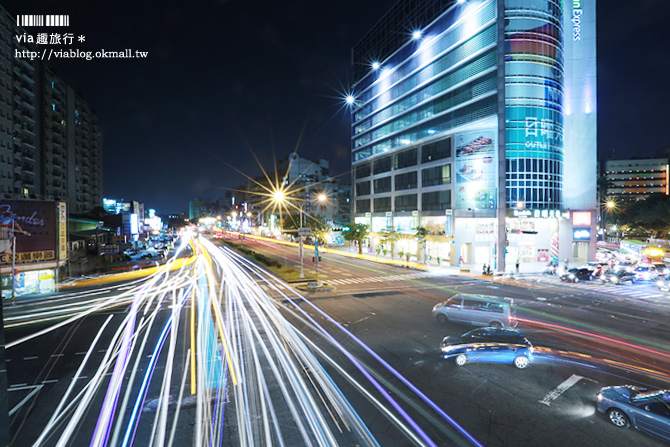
(32,357)
(35,388)
(44,382)
(560,389)
(57,355)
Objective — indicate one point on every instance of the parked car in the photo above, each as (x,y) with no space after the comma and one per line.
(577,274)
(619,277)
(645,273)
(478,310)
(646,410)
(489,344)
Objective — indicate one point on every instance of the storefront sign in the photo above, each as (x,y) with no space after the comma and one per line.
(581,234)
(47,255)
(581,218)
(537,214)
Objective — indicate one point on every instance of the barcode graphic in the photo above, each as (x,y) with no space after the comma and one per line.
(41,20)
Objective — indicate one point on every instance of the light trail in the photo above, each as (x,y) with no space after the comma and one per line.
(239,350)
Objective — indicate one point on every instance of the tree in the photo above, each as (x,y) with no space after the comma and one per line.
(389,236)
(356,233)
(651,215)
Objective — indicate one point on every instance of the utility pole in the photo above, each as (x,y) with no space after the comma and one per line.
(302,238)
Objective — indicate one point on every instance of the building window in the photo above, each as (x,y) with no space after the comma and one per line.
(382,204)
(363,170)
(405,203)
(382,185)
(363,188)
(406,159)
(382,165)
(363,206)
(438,200)
(405,181)
(436,151)
(439,175)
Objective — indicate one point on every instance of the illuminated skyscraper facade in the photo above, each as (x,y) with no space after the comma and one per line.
(475,119)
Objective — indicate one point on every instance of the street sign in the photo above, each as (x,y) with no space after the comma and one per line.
(305,231)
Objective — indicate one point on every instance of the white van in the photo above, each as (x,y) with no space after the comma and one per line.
(478,310)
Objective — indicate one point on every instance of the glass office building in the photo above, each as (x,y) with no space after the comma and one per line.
(475,119)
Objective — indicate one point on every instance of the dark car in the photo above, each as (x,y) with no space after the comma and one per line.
(576,275)
(619,277)
(646,410)
(489,344)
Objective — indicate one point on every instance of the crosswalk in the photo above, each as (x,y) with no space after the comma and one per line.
(366,280)
(377,279)
(640,290)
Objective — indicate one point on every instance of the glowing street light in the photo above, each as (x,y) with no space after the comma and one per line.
(416,35)
(350,99)
(278,196)
(375,65)
(322,197)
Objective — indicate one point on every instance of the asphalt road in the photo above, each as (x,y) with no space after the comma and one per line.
(379,346)
(590,335)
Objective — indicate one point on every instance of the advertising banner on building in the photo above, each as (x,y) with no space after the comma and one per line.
(62,230)
(476,170)
(36,218)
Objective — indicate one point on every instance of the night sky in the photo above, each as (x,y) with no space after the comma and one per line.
(224,75)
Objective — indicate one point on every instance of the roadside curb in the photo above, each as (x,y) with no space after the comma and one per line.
(323,287)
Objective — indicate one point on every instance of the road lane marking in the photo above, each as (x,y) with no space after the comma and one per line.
(35,388)
(32,357)
(560,389)
(57,355)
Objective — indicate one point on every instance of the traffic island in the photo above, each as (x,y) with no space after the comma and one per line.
(316,286)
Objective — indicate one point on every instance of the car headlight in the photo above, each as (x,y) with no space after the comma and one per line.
(599,397)
(571,276)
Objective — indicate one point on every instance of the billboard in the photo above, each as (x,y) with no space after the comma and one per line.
(476,169)
(39,219)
